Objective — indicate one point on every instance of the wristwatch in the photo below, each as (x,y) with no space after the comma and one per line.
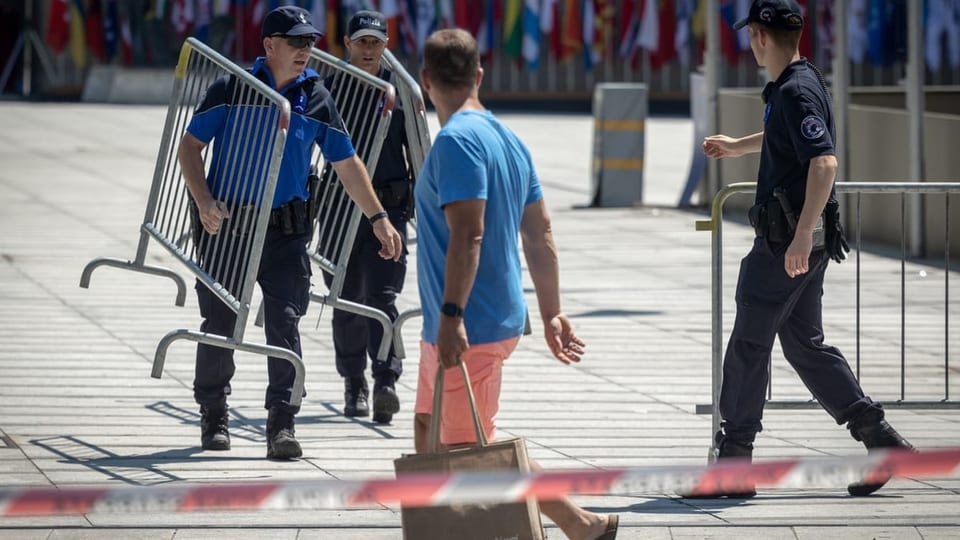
(451,310)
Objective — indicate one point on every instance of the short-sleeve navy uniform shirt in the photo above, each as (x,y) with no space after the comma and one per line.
(314,119)
(798,126)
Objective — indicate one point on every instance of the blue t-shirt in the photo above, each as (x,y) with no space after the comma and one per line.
(473,157)
(226,115)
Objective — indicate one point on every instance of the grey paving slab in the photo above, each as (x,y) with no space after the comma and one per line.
(79,408)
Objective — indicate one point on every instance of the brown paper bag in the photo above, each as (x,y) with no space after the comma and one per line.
(513,521)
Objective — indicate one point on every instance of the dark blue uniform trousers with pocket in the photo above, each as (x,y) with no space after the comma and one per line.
(771,303)
(284,279)
(375,282)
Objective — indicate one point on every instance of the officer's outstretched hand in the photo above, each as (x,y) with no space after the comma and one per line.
(722,146)
(796,261)
(391,244)
(563,342)
(212,215)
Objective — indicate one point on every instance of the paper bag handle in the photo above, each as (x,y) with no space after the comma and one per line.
(434,437)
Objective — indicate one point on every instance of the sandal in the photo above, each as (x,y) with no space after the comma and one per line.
(613,523)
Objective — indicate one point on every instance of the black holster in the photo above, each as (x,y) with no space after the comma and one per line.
(768,221)
(291,218)
(313,187)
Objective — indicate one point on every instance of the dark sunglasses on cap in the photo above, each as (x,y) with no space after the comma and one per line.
(298,42)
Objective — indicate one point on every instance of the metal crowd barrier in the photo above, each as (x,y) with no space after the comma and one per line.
(856,190)
(418,140)
(365,103)
(415,117)
(226,263)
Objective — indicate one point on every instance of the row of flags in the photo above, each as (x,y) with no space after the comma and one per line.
(524,31)
(88,26)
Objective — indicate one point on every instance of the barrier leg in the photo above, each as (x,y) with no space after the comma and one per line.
(143,269)
(296,395)
(398,330)
(365,311)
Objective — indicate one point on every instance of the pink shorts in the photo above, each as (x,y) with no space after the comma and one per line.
(485,365)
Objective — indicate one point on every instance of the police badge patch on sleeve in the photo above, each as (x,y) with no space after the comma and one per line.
(812,127)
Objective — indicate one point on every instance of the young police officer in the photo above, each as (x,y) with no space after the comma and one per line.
(284,273)
(781,279)
(372,280)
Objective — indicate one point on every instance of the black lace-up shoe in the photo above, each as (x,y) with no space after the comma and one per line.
(281,443)
(730,449)
(356,397)
(214,433)
(385,403)
(876,435)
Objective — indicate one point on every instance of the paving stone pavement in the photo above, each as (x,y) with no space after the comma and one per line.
(77,405)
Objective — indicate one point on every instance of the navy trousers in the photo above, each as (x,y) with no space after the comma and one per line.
(375,282)
(284,279)
(770,304)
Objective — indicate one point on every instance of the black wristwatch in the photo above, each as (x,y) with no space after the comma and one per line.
(451,310)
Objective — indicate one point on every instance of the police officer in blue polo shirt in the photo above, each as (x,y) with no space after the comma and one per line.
(371,280)
(798,232)
(284,273)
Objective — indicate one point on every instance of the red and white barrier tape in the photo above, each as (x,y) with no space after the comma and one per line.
(482,487)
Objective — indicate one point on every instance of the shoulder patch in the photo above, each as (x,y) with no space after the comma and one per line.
(812,127)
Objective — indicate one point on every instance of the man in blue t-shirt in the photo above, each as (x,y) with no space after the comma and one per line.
(284,272)
(476,195)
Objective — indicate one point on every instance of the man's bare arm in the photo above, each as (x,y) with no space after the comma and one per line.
(722,146)
(211,211)
(540,251)
(820,177)
(353,175)
(465,220)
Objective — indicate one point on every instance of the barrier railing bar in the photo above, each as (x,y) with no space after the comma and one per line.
(714,224)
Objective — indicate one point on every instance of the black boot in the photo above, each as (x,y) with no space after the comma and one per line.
(877,434)
(730,449)
(356,397)
(214,434)
(385,400)
(280,441)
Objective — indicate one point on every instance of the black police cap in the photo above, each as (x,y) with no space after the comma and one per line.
(776,14)
(288,21)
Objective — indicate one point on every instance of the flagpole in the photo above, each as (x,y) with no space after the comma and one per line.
(27,40)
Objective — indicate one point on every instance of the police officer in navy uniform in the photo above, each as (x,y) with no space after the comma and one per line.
(370,279)
(284,272)
(798,232)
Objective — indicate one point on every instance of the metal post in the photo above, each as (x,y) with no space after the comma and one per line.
(27,56)
(915,108)
(712,71)
(841,88)
(27,41)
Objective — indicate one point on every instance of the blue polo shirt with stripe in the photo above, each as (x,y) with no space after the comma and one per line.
(223,117)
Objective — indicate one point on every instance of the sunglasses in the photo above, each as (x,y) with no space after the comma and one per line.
(298,42)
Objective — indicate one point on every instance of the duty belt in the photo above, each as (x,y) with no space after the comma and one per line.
(395,193)
(291,217)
